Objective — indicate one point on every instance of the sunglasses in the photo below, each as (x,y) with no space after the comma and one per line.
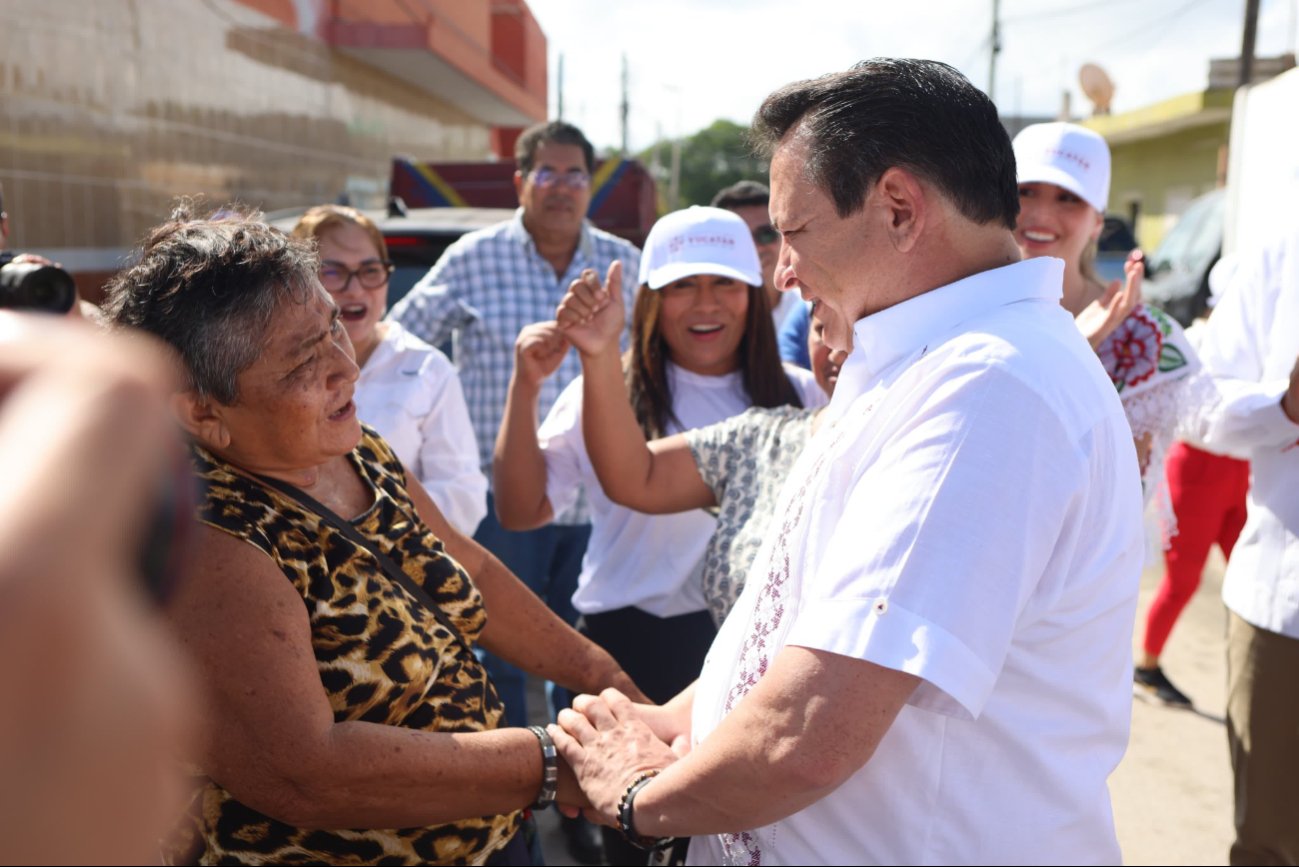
(575,179)
(765,234)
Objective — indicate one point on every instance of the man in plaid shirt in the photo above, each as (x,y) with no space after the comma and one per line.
(484,289)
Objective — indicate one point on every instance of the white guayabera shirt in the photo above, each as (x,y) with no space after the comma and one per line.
(970,513)
(1249,348)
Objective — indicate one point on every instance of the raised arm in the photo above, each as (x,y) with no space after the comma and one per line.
(518,466)
(1098,320)
(656,477)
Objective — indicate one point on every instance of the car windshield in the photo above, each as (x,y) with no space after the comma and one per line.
(1194,240)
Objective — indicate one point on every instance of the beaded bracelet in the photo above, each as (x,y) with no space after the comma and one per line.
(549,769)
(626,821)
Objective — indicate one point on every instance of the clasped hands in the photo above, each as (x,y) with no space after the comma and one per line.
(606,741)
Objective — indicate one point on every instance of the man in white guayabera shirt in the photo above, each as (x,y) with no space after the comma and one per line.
(931,659)
(1250,346)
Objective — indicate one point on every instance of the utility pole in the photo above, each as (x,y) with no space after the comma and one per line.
(625,107)
(1247,42)
(560,88)
(995,49)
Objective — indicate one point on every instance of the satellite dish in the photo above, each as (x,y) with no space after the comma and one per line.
(1098,87)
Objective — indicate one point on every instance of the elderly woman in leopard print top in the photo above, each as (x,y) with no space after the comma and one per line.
(350,721)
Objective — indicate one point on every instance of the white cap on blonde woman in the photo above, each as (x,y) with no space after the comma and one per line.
(1067,155)
(696,241)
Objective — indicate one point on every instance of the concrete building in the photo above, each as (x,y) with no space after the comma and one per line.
(110,110)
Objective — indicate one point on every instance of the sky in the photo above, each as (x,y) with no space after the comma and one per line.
(691,62)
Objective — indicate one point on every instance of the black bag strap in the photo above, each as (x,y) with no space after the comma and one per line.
(386,563)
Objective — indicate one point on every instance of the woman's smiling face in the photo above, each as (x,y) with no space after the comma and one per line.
(702,319)
(1055,222)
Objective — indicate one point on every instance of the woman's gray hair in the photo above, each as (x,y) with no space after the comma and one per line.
(210,288)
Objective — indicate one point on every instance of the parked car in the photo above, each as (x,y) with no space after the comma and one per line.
(416,237)
(1177,272)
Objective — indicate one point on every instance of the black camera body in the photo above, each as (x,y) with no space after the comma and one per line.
(31,286)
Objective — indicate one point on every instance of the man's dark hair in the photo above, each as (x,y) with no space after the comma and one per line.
(551,132)
(921,115)
(742,195)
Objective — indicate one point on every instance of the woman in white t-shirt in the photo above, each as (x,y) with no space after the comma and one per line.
(703,349)
(408,391)
(734,468)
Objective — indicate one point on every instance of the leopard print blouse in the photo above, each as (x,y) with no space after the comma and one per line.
(382,656)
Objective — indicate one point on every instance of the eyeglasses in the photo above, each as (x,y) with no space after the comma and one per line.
(371,275)
(574,179)
(765,234)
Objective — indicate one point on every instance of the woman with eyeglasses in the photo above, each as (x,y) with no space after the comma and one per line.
(409,391)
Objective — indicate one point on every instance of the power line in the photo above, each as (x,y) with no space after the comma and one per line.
(1144,30)
(1061,13)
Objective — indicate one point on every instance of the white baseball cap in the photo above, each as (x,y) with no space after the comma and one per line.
(1067,155)
(696,241)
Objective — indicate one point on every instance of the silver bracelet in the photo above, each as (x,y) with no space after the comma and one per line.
(549,769)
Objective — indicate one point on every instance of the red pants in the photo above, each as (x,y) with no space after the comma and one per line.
(1208,497)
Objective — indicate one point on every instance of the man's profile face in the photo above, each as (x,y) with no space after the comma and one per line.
(755,217)
(825,258)
(556,192)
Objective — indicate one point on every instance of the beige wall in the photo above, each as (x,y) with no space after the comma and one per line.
(110,109)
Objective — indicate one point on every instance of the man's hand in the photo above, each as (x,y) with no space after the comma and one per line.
(607,746)
(1098,320)
(34,259)
(591,316)
(538,352)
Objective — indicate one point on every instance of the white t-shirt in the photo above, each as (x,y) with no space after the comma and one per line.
(969,512)
(410,393)
(652,562)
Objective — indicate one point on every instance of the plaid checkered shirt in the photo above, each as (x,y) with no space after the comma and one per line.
(480,294)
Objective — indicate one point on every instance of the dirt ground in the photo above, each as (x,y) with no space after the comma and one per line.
(1172,791)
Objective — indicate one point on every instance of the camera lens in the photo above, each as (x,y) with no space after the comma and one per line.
(30,286)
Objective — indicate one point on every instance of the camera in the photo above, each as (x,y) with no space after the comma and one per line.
(32,286)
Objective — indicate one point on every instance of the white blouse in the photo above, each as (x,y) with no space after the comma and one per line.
(410,392)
